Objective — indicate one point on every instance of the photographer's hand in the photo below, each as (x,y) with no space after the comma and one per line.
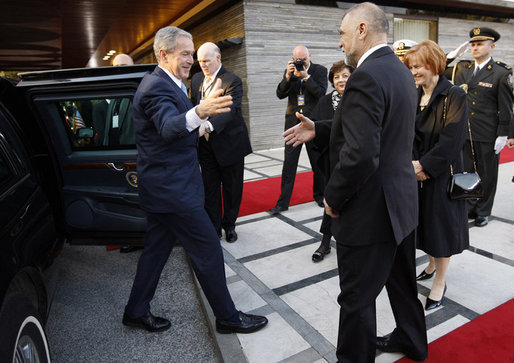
(290,69)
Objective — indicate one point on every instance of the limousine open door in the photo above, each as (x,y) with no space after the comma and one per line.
(85,117)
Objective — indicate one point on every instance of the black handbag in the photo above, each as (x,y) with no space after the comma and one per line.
(464,185)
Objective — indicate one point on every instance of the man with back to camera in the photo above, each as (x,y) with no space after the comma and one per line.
(304,83)
(372,191)
(171,190)
(222,149)
(489,88)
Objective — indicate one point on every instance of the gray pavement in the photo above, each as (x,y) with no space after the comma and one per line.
(91,291)
(270,272)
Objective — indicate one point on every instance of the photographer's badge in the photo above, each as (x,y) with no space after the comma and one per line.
(301,100)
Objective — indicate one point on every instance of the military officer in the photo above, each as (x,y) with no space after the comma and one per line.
(402,46)
(488,84)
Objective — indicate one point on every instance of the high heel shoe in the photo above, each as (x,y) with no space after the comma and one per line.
(432,304)
(424,275)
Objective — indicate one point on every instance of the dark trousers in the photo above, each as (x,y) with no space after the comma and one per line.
(221,183)
(487,166)
(291,157)
(196,233)
(363,272)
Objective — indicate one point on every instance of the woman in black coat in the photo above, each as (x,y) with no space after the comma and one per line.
(441,127)
(324,110)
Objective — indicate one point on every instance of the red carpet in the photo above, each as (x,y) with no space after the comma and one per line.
(261,195)
(488,338)
(506,155)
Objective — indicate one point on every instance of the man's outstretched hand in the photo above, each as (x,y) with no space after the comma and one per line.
(215,103)
(300,133)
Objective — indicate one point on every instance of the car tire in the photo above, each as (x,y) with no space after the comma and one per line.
(23,335)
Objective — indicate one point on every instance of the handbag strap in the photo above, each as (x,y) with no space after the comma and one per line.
(469,130)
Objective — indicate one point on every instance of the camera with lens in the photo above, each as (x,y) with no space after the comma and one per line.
(299,64)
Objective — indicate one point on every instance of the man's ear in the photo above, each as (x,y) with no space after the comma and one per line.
(162,55)
(362,30)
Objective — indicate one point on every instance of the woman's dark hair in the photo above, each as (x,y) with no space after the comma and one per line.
(338,67)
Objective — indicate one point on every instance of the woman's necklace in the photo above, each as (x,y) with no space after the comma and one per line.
(425,98)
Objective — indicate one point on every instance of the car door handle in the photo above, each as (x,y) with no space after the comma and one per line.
(113,166)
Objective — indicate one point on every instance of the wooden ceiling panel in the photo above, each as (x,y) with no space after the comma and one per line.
(53,34)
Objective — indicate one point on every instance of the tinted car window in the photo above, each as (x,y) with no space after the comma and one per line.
(97,123)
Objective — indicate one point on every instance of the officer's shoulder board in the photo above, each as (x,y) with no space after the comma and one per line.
(465,63)
(504,65)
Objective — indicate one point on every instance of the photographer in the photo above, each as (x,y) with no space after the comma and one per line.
(303,83)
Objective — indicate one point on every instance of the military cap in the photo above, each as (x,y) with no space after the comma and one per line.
(479,33)
(402,46)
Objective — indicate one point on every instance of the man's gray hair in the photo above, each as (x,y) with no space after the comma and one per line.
(166,38)
(374,16)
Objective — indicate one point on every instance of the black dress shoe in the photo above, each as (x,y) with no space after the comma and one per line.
(247,324)
(481,221)
(277,209)
(230,235)
(432,304)
(320,253)
(424,275)
(320,202)
(387,345)
(128,249)
(148,322)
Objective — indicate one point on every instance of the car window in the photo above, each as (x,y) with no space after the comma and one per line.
(97,123)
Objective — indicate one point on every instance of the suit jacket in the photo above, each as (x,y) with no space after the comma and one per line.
(99,119)
(489,98)
(125,123)
(169,178)
(313,89)
(229,141)
(372,183)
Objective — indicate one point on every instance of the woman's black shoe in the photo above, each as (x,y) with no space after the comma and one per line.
(320,253)
(424,275)
(432,304)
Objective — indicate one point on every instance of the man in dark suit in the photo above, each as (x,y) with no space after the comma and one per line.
(372,192)
(489,88)
(119,127)
(222,149)
(170,187)
(304,83)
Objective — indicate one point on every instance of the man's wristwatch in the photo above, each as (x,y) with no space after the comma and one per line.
(207,128)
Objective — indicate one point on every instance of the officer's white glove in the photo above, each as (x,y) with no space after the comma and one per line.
(499,144)
(460,50)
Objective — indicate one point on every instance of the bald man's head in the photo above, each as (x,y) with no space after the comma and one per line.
(372,15)
(362,27)
(301,52)
(122,60)
(209,58)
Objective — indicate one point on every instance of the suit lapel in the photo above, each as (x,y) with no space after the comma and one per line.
(181,95)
